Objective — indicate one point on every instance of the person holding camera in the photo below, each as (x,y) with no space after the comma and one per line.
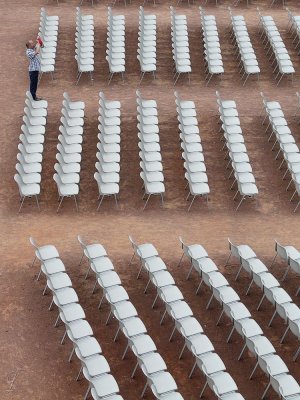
(32,53)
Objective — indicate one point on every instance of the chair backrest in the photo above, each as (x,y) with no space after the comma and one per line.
(33,242)
(233,248)
(281,250)
(294,264)
(18,179)
(133,244)
(183,245)
(80,240)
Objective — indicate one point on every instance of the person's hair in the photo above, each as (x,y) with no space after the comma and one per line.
(28,44)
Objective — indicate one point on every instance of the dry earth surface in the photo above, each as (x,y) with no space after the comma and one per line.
(33,363)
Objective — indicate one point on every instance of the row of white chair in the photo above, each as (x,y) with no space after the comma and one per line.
(150,154)
(48,32)
(244,48)
(84,44)
(212,48)
(237,151)
(277,296)
(276,47)
(94,365)
(67,176)
(115,49)
(108,155)
(257,343)
(192,151)
(31,146)
(147,43)
(180,45)
(294,28)
(151,363)
(286,141)
(292,256)
(207,360)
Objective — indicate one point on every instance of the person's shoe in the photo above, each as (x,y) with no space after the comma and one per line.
(38,99)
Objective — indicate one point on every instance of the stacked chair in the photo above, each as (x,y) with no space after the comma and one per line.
(84,44)
(244,48)
(147,43)
(236,150)
(153,366)
(275,47)
(108,155)
(291,256)
(69,150)
(276,295)
(150,155)
(48,32)
(94,366)
(294,28)
(283,383)
(212,48)
(286,142)
(115,51)
(180,45)
(31,146)
(195,340)
(192,151)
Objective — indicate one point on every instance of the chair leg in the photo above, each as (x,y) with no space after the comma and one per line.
(180,260)
(260,303)
(248,290)
(199,286)
(219,319)
(148,283)
(272,318)
(23,198)
(238,273)
(153,304)
(193,369)
(37,202)
(71,354)
(76,202)
(284,335)
(140,271)
(172,333)
(265,392)
(163,317)
(134,370)
(230,334)
(108,318)
(285,274)
(296,354)
(191,203)
(241,353)
(146,201)
(182,351)
(61,200)
(254,369)
(202,391)
(100,303)
(189,273)
(144,390)
(125,351)
(99,205)
(87,272)
(79,373)
(209,302)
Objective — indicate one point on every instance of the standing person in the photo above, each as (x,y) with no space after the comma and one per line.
(32,53)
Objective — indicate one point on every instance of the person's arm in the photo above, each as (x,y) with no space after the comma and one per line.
(37,48)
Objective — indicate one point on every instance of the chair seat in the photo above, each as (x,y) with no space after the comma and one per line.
(59,281)
(115,294)
(133,327)
(65,296)
(96,365)
(105,385)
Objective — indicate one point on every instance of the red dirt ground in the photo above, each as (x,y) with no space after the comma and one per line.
(33,364)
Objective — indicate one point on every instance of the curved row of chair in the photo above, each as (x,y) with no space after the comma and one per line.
(212,48)
(84,44)
(147,43)
(294,28)
(31,147)
(207,360)
(94,365)
(257,343)
(67,176)
(192,151)
(292,256)
(275,46)
(108,155)
(153,366)
(244,48)
(286,142)
(150,155)
(236,149)
(48,32)
(115,49)
(180,45)
(277,296)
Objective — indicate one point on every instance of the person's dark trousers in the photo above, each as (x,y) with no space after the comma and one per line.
(34,77)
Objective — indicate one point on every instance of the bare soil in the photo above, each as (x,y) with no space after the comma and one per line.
(33,363)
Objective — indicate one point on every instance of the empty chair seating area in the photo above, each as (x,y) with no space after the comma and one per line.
(94,366)
(67,176)
(115,48)
(195,340)
(107,175)
(283,383)
(236,150)
(286,142)
(192,151)
(180,45)
(248,61)
(48,32)
(275,47)
(31,147)
(149,148)
(294,28)
(84,44)
(130,324)
(147,43)
(212,48)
